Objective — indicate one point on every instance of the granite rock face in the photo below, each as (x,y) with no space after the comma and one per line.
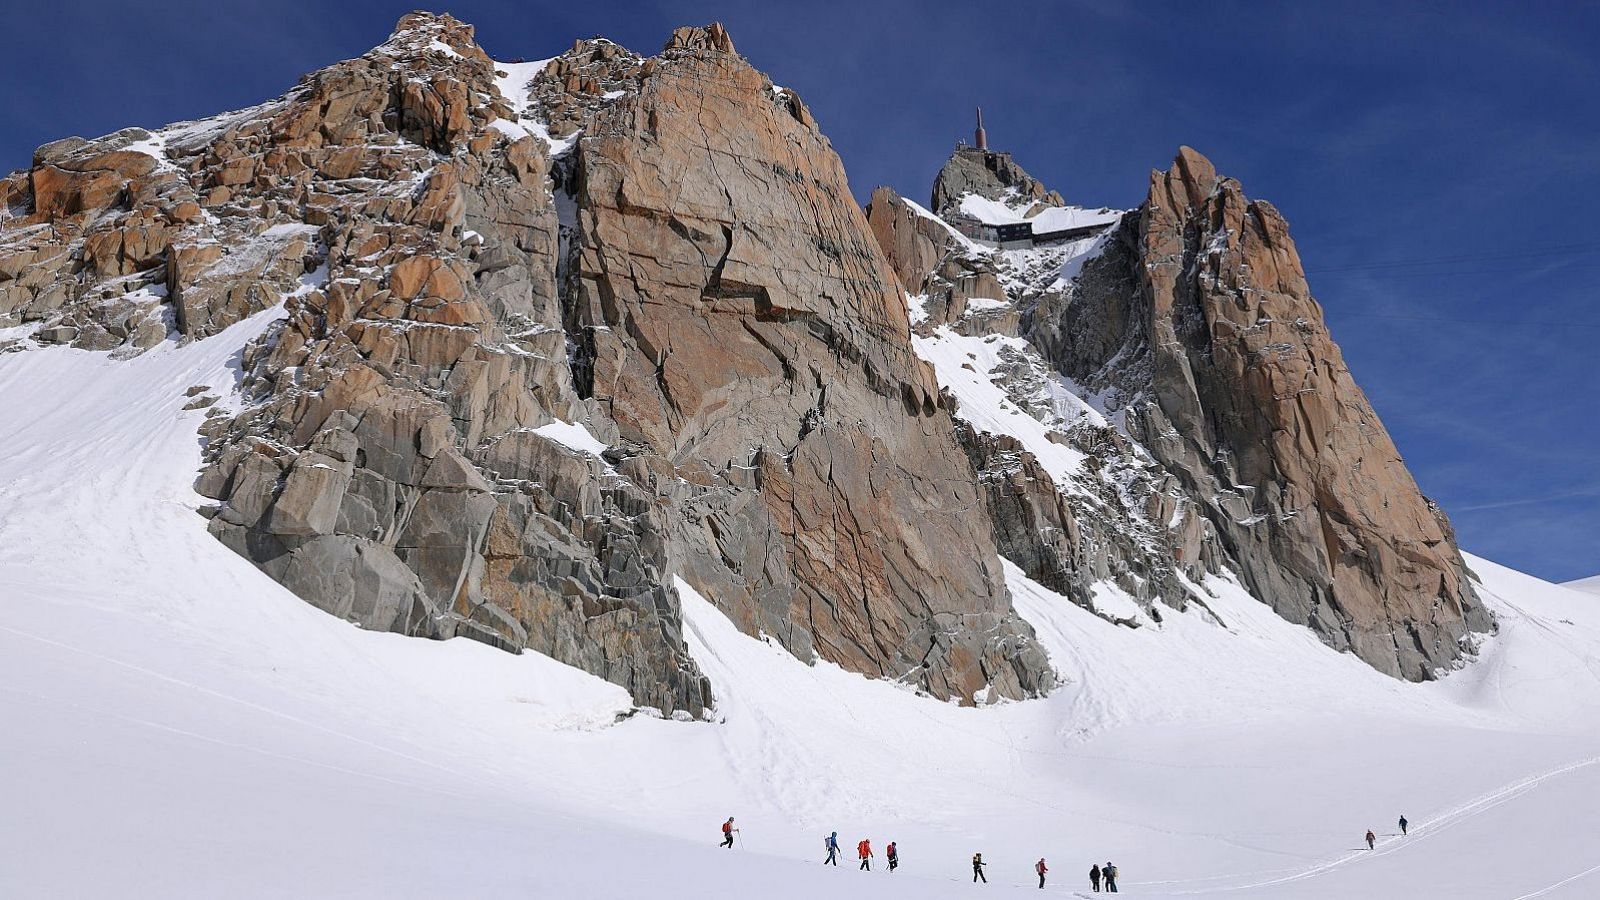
(1241,442)
(736,321)
(991,174)
(1244,396)
(555,334)
(1118,519)
(464,294)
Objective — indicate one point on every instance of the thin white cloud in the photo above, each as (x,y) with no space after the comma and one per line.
(1530,501)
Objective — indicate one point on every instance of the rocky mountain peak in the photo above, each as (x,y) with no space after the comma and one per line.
(991,174)
(553,334)
(570,90)
(700,37)
(416,32)
(1188,183)
(1239,444)
(1233,382)
(1251,403)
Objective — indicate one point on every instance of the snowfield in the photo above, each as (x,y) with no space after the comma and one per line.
(1590,585)
(178,725)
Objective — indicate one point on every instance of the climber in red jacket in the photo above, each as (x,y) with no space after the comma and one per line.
(864,850)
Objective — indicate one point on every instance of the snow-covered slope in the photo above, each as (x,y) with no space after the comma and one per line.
(178,725)
(1590,585)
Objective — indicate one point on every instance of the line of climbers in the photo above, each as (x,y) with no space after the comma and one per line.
(863,852)
(1098,875)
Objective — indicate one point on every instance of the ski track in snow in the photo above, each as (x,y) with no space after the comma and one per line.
(1396,843)
(1562,883)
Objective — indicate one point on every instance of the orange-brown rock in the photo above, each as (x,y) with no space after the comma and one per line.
(713,310)
(739,313)
(1237,387)
(74,185)
(914,244)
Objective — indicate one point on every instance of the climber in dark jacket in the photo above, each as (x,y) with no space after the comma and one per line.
(1094,878)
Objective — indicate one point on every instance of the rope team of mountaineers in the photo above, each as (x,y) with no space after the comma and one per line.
(1100,876)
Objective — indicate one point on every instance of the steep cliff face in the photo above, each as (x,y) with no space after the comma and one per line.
(740,326)
(1235,384)
(1244,444)
(553,333)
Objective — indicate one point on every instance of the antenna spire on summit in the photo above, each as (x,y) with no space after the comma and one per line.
(979,137)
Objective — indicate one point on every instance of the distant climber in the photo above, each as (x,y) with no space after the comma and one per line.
(864,849)
(1403,824)
(977,869)
(1372,839)
(893,855)
(831,844)
(727,833)
(1094,878)
(1108,873)
(1041,868)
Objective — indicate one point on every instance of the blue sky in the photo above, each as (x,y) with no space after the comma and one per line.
(1439,164)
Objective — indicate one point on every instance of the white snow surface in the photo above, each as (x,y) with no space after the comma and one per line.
(1050,218)
(967,243)
(1590,585)
(965,365)
(514,87)
(575,435)
(177,725)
